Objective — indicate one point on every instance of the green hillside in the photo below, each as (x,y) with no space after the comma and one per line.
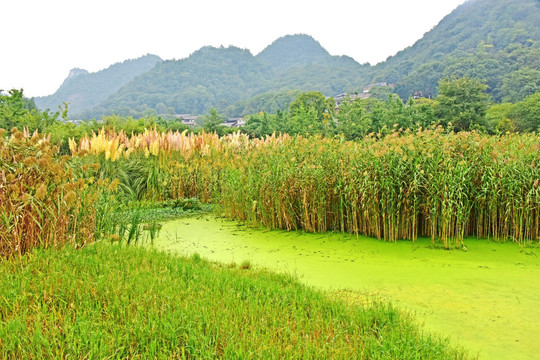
(497,41)
(228,78)
(209,77)
(84,90)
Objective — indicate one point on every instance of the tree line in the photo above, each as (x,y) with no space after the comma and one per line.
(462,104)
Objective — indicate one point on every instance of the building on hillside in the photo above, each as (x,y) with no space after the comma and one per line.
(370,86)
(363,95)
(187,119)
(418,94)
(234,122)
(340,98)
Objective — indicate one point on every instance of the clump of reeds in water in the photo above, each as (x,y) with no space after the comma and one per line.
(427,183)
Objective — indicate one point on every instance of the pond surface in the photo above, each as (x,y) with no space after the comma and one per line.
(486,298)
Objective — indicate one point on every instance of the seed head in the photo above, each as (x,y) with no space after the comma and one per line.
(70,197)
(41,192)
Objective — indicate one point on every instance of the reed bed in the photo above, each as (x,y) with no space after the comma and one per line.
(428,183)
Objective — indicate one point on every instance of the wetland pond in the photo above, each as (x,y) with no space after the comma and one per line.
(486,299)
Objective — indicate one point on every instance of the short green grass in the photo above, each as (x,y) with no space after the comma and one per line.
(115,301)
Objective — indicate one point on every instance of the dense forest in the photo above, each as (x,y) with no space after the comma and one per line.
(490,40)
(462,104)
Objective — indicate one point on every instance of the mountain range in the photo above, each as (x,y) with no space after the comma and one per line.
(497,41)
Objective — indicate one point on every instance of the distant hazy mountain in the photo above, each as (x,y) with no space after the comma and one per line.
(84,90)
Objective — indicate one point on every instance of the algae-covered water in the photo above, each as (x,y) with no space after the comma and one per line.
(486,298)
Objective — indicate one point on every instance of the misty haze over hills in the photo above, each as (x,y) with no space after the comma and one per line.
(497,41)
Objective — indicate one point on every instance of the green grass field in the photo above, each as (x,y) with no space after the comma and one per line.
(114,302)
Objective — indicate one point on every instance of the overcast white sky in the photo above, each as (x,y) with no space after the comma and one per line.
(41,40)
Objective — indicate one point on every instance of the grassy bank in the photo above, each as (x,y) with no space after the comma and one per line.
(127,302)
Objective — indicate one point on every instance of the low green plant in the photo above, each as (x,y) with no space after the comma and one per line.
(245,265)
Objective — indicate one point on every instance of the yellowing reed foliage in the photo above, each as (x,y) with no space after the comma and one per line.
(41,204)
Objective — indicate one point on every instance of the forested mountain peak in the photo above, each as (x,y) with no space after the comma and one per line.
(212,51)
(76,72)
(294,50)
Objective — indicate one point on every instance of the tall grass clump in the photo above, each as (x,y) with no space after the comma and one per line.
(405,185)
(153,165)
(41,202)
